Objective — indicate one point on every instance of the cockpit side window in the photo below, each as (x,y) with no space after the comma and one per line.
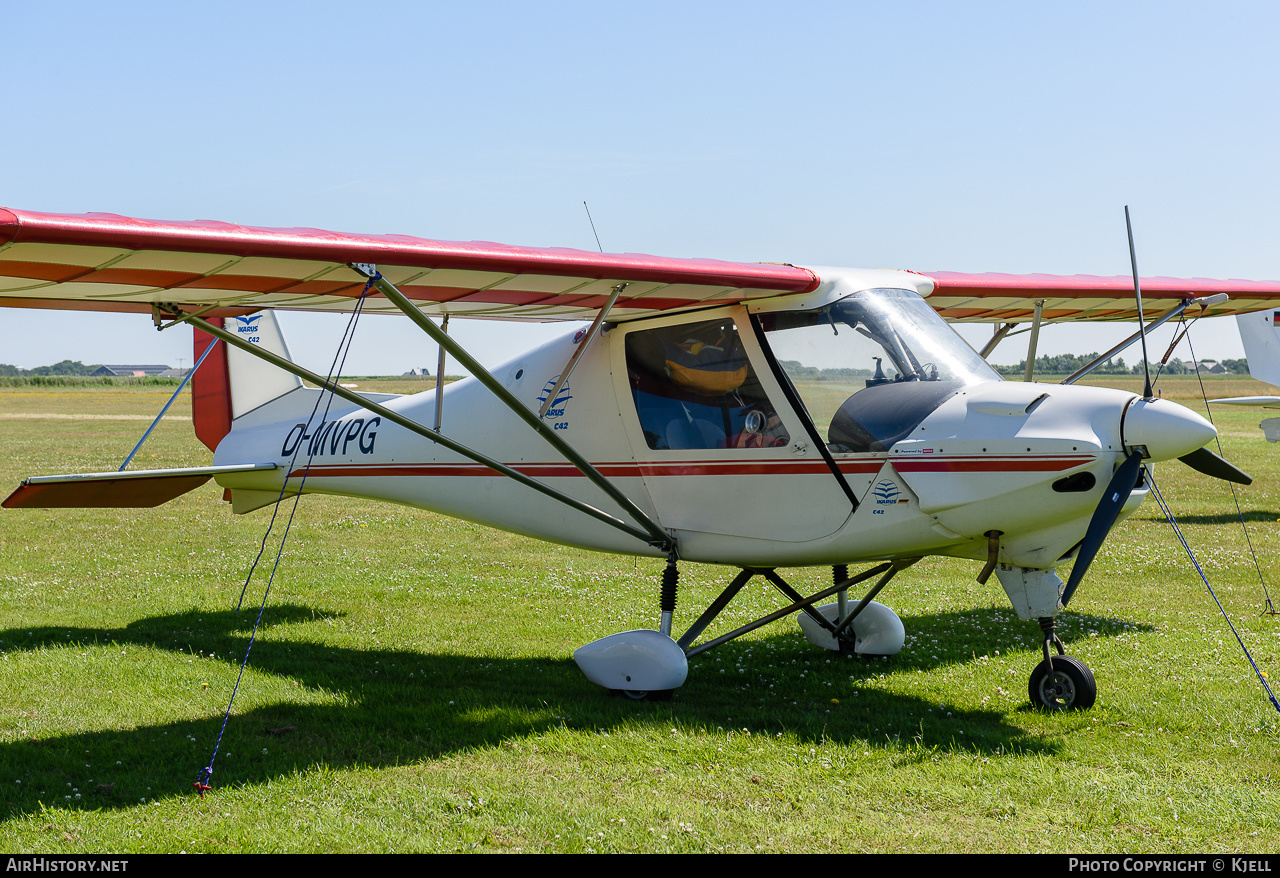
(694,387)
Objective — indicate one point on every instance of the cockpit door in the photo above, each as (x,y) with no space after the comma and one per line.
(719,447)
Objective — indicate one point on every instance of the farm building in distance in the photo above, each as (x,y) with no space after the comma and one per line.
(129,371)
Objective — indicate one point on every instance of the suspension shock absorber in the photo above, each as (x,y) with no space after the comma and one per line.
(667,603)
(839,573)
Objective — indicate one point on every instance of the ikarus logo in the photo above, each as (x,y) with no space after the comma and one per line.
(556,409)
(247,327)
(886,492)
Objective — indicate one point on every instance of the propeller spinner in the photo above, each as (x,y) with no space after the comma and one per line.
(1151,429)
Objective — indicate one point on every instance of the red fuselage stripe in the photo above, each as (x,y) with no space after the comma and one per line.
(707,468)
(1030,463)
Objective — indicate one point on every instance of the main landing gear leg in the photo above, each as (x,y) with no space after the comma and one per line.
(646,664)
(1060,682)
(840,575)
(667,603)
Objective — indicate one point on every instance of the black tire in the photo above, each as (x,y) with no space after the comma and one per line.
(644,694)
(1070,685)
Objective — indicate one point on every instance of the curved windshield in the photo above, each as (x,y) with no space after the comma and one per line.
(872,365)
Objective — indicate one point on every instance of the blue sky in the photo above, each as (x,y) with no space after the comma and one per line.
(954,136)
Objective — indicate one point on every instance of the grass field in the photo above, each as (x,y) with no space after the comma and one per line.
(412,689)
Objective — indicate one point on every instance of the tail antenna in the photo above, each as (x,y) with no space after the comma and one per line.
(1142,320)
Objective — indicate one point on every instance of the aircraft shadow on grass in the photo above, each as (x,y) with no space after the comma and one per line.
(403,706)
(1226,519)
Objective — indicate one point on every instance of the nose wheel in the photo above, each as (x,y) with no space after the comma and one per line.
(1060,682)
(1066,684)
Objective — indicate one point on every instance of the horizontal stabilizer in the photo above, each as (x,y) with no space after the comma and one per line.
(136,488)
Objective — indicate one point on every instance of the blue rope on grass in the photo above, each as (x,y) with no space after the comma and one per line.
(205,777)
(1168,514)
(1266,593)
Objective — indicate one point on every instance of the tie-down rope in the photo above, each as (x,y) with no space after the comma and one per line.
(205,776)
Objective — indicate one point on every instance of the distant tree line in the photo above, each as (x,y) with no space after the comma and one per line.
(1065,364)
(66,367)
(1062,364)
(798,370)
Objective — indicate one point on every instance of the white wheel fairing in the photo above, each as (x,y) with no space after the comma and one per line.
(877,630)
(635,661)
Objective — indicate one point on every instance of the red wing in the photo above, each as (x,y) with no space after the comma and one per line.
(115,263)
(1012,297)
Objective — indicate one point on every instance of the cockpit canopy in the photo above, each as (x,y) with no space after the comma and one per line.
(872,365)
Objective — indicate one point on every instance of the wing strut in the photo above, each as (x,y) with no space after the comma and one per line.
(444,327)
(658,537)
(996,338)
(582,347)
(1034,342)
(1175,311)
(181,385)
(652,535)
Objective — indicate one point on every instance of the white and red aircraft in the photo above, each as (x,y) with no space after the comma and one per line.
(1260,335)
(755,415)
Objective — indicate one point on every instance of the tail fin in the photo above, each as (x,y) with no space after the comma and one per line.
(1260,334)
(234,382)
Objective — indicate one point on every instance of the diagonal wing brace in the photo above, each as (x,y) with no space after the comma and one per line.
(1175,311)
(427,325)
(651,534)
(581,349)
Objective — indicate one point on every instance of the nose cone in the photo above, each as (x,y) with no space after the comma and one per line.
(1167,429)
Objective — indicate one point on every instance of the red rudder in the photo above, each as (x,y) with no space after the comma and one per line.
(210,390)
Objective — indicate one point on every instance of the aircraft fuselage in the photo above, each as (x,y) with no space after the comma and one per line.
(714,424)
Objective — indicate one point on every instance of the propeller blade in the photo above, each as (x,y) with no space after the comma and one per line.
(1205,461)
(1142,320)
(1104,517)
